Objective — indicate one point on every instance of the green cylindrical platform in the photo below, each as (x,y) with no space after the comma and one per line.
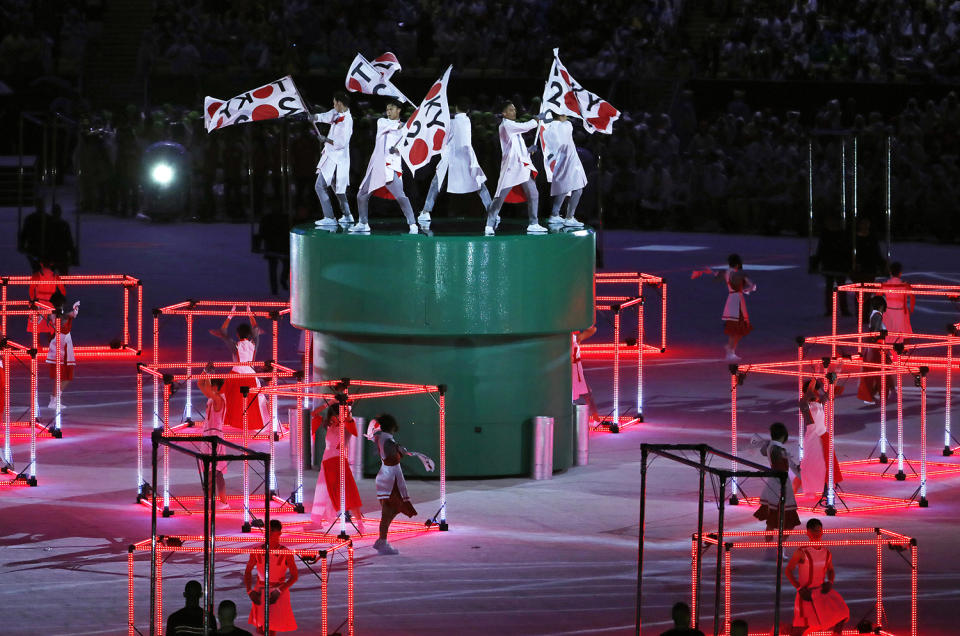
(489,317)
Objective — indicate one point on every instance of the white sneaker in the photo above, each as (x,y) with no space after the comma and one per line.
(346,219)
(424,217)
(384,547)
(572,222)
(359,228)
(496,222)
(53,403)
(555,220)
(223,505)
(488,231)
(536,228)
(325,222)
(732,357)
(414,229)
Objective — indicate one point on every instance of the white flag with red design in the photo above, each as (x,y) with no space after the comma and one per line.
(374,79)
(426,131)
(387,64)
(270,101)
(563,95)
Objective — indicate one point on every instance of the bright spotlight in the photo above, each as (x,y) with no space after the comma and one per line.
(162,174)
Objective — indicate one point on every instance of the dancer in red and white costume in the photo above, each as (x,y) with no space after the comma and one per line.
(333,169)
(385,170)
(869,388)
(899,305)
(391,485)
(817,606)
(567,178)
(326,496)
(736,320)
(46,284)
(816,442)
(213,423)
(458,165)
(516,169)
(776,451)
(68,361)
(580,387)
(283,574)
(243,350)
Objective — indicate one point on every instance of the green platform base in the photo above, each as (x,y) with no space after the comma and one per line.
(490,317)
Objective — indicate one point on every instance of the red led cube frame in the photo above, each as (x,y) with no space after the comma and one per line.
(14,301)
(616,421)
(192,309)
(635,282)
(877,539)
(173,372)
(346,390)
(829,371)
(311,547)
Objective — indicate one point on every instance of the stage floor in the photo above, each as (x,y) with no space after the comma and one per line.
(521,557)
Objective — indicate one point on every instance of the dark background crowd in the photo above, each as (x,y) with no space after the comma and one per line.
(726,103)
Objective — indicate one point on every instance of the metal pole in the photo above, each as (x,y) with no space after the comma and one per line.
(809,196)
(53,163)
(889,191)
(153,535)
(699,552)
(853,218)
(780,519)
(716,593)
(266,557)
(599,228)
(207,501)
(643,510)
(213,528)
(20,175)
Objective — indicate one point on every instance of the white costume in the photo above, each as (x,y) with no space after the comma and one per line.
(813,466)
(561,153)
(213,425)
(245,351)
(897,315)
(824,610)
(383,165)
(580,386)
(516,166)
(66,348)
(384,171)
(458,162)
(459,166)
(334,163)
(389,477)
(735,307)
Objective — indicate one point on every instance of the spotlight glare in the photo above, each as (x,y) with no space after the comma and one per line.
(162,174)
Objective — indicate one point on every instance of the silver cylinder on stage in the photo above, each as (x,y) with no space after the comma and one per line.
(542,464)
(355,448)
(583,434)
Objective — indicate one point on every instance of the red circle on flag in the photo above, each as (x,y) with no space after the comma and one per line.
(571,101)
(219,122)
(353,86)
(566,77)
(604,113)
(418,153)
(265,111)
(263,92)
(212,108)
(438,139)
(434,90)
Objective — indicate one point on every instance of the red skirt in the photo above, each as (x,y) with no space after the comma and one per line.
(236,404)
(739,327)
(331,474)
(772,516)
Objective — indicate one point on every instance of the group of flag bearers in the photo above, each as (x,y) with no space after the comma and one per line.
(430,131)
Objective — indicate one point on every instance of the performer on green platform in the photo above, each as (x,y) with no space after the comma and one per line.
(384,176)
(518,176)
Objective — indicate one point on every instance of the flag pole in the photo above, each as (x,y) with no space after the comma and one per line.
(303,101)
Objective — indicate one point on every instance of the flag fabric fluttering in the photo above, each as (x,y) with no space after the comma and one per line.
(563,95)
(277,99)
(366,77)
(426,131)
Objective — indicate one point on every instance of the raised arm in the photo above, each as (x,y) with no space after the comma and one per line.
(586,333)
